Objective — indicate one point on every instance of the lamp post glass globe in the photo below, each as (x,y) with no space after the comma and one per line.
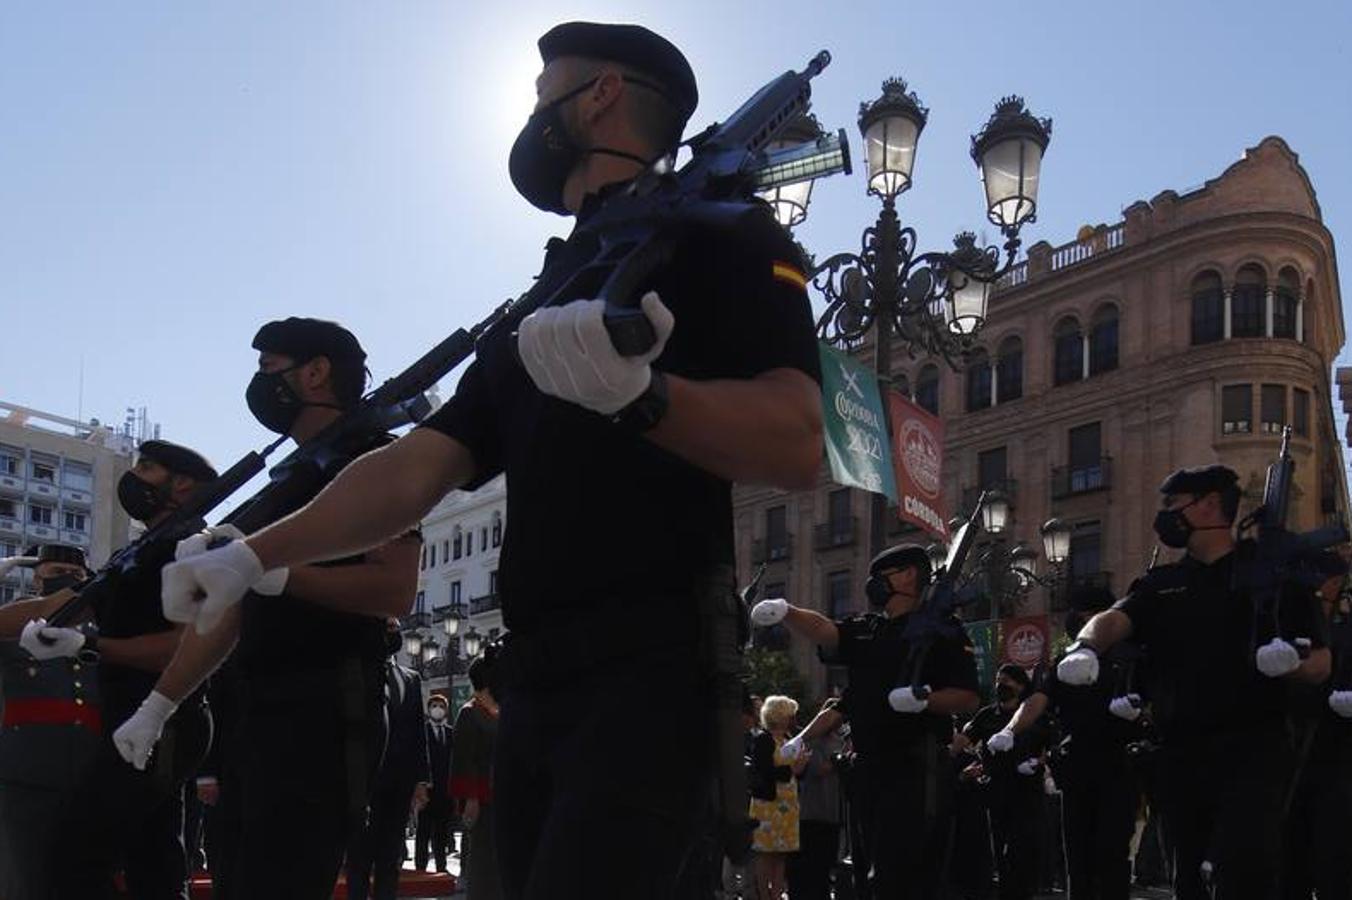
(1056,541)
(891,127)
(429,651)
(473,643)
(451,624)
(1009,151)
(966,309)
(1023,562)
(995,514)
(413,645)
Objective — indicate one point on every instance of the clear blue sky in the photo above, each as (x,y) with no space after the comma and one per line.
(174,174)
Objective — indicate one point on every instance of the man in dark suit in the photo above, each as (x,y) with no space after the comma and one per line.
(434,822)
(404,774)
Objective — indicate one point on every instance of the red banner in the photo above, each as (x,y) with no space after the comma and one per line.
(1024,641)
(917,459)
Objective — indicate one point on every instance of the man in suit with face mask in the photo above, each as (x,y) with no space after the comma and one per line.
(434,820)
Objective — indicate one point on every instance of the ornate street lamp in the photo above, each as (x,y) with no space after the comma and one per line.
(1009,150)
(891,126)
(473,643)
(1056,541)
(1023,564)
(451,624)
(413,644)
(995,513)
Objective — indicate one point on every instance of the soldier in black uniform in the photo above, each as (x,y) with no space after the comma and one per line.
(1221,704)
(49,731)
(311,648)
(619,473)
(1100,793)
(901,792)
(130,819)
(1013,782)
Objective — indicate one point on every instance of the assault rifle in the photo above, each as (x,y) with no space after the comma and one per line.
(399,401)
(1282,557)
(947,591)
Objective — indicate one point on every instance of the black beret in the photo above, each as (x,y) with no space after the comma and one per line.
(900,557)
(304,339)
(630,45)
(61,553)
(1200,480)
(178,459)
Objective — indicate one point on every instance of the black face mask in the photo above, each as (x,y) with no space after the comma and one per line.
(544,153)
(273,402)
(1174,529)
(878,591)
(60,582)
(141,499)
(1006,692)
(394,642)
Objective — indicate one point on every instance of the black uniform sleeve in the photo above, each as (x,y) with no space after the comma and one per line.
(470,417)
(768,316)
(951,663)
(854,635)
(1301,616)
(1142,606)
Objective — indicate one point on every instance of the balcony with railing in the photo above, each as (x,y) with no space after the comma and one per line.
(771,549)
(1043,259)
(1070,481)
(486,603)
(832,535)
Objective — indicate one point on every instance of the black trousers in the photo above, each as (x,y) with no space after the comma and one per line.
(1099,799)
(434,834)
(809,870)
(220,835)
(126,820)
(378,850)
(903,806)
(594,796)
(304,768)
(1319,832)
(1223,805)
(1015,804)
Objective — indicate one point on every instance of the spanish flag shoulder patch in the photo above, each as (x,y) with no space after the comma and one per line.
(789,274)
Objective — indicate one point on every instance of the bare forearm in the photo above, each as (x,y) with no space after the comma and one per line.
(825,722)
(366,589)
(147,652)
(765,430)
(1028,713)
(951,701)
(812,625)
(14,616)
(1106,629)
(1314,669)
(199,655)
(379,496)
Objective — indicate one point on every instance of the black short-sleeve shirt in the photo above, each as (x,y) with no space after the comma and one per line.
(1199,632)
(876,652)
(597,515)
(1082,710)
(1003,767)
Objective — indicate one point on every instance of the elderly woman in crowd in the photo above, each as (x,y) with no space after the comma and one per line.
(777,835)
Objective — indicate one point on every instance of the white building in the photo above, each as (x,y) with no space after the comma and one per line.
(457,577)
(58,484)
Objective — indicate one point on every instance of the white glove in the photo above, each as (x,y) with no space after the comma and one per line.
(201,588)
(1002,741)
(271,584)
(137,736)
(1341,703)
(1126,707)
(792,748)
(1079,667)
(1277,658)
(58,642)
(1028,766)
(769,612)
(904,700)
(11,562)
(568,354)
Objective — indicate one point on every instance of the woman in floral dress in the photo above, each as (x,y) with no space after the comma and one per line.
(777,834)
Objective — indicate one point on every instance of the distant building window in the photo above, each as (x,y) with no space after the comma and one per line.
(44,472)
(9,510)
(1009,371)
(1086,458)
(7,593)
(1103,342)
(73,521)
(978,382)
(1237,409)
(776,532)
(420,602)
(431,556)
(9,460)
(493,582)
(1086,550)
(39,515)
(1208,309)
(927,390)
(992,468)
(457,543)
(1285,300)
(445,551)
(455,593)
(839,505)
(1300,412)
(838,594)
(497,529)
(1273,408)
(77,477)
(1068,352)
(1247,303)
(422,560)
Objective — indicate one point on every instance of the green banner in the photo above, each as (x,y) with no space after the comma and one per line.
(984,636)
(857,442)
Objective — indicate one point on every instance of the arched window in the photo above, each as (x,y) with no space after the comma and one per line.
(1208,309)
(1009,370)
(1068,341)
(1248,303)
(978,381)
(927,389)
(1285,299)
(1103,341)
